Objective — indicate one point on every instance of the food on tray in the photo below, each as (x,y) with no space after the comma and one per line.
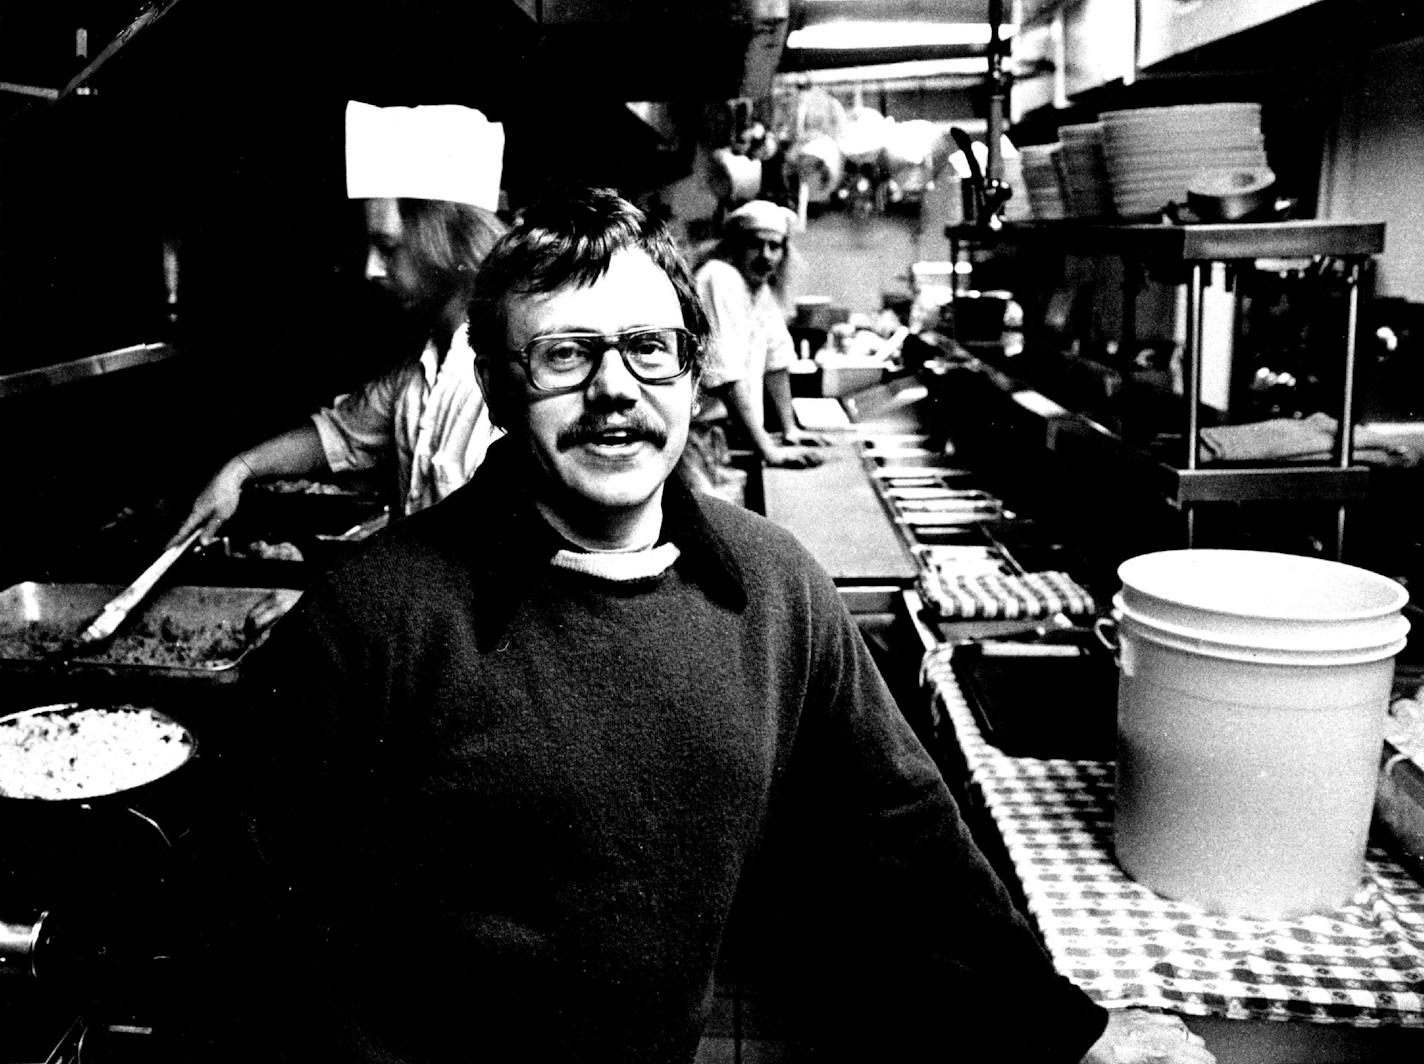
(271,552)
(301,486)
(64,751)
(151,641)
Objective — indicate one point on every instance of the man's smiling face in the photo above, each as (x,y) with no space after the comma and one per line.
(603,451)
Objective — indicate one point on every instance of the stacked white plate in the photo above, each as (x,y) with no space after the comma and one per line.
(1085,173)
(1152,153)
(1044,181)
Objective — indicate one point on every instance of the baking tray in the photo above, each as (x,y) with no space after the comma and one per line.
(181,608)
(299,509)
(1041,700)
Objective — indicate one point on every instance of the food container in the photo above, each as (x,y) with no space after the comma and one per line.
(285,528)
(1250,722)
(92,799)
(188,634)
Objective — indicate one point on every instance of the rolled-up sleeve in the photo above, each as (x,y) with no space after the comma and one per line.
(358,430)
(780,351)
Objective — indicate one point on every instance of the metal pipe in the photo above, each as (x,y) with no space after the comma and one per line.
(1191,383)
(994,170)
(1345,435)
(996,189)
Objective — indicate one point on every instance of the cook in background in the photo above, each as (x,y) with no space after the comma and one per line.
(751,348)
(527,764)
(428,178)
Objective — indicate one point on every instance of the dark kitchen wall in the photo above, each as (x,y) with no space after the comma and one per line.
(218,131)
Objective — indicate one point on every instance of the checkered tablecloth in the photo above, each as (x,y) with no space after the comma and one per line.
(1125,945)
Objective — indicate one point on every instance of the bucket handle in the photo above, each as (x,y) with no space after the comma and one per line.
(154,824)
(1105,629)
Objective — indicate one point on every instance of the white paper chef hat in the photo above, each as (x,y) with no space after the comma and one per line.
(437,152)
(762,214)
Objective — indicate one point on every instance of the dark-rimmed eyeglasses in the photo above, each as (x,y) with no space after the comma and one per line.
(565,362)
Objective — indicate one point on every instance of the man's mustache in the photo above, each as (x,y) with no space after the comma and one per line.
(590,428)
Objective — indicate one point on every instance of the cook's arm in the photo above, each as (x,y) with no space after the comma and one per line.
(737,396)
(296,452)
(778,387)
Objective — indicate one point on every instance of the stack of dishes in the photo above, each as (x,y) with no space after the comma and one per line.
(1153,153)
(1044,181)
(1085,172)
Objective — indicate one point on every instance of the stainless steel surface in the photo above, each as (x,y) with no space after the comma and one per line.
(83,368)
(72,605)
(19,944)
(836,513)
(1219,242)
(871,598)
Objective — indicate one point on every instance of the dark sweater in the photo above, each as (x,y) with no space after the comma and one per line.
(517,803)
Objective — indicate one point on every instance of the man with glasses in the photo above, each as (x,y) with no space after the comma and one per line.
(538,739)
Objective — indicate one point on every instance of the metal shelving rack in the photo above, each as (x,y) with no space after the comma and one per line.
(1197,247)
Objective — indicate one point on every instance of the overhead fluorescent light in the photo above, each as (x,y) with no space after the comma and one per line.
(963,66)
(839,36)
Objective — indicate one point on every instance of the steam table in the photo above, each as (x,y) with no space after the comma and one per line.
(1347,985)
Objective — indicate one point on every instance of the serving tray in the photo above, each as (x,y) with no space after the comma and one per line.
(184,632)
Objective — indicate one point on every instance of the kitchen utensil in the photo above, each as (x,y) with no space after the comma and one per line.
(965,143)
(116,611)
(30,610)
(1231,194)
(103,845)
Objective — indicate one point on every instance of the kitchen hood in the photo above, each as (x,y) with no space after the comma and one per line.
(659,49)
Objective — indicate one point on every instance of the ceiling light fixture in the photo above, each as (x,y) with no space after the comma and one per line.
(840,36)
(965,66)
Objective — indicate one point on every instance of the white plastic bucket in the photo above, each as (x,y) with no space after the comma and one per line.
(1251,705)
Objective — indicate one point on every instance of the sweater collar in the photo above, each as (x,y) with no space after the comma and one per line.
(512,545)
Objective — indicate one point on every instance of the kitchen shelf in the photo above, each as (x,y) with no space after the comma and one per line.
(83,368)
(1186,484)
(1220,242)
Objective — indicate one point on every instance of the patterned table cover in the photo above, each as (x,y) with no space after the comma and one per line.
(1125,945)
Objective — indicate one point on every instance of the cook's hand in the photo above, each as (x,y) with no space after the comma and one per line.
(216,504)
(793,458)
(1136,1036)
(802,438)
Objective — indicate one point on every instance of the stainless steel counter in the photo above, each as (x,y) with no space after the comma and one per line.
(836,513)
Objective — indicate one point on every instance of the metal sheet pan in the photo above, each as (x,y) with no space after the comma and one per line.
(69,606)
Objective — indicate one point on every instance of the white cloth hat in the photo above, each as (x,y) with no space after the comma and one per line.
(763,214)
(436,152)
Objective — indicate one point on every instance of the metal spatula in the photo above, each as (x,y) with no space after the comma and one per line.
(117,609)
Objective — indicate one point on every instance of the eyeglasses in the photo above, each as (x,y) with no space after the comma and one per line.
(565,362)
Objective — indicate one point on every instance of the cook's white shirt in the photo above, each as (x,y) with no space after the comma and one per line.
(430,416)
(749,336)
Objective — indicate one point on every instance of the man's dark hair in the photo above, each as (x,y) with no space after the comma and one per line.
(570,239)
(452,239)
